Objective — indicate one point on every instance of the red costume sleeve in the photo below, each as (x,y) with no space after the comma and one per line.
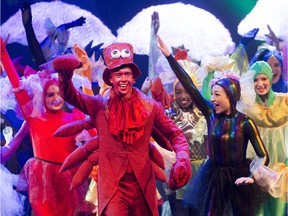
(21,96)
(160,94)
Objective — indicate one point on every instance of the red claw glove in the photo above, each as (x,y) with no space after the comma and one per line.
(181,172)
(65,65)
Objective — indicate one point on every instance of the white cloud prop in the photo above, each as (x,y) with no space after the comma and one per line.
(267,12)
(200,31)
(59,13)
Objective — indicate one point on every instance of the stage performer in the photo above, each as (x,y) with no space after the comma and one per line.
(124,119)
(224,183)
(41,105)
(268,109)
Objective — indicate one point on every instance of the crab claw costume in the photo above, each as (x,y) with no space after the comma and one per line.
(49,191)
(126,177)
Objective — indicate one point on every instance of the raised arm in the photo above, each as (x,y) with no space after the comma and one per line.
(154,53)
(33,43)
(21,96)
(185,80)
(274,39)
(79,22)
(65,66)
(240,57)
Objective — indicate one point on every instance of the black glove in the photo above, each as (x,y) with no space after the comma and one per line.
(80,21)
(26,14)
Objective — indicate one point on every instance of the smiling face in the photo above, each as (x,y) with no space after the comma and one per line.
(53,100)
(181,96)
(122,81)
(220,100)
(262,84)
(276,68)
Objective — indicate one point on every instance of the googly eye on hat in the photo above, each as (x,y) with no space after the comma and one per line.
(117,55)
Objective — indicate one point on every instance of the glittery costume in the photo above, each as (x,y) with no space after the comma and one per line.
(193,124)
(188,121)
(48,190)
(228,137)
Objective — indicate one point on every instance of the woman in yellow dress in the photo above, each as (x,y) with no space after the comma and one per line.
(268,109)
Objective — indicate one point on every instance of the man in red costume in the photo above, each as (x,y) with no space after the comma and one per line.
(124,119)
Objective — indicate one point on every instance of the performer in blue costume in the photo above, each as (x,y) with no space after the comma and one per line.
(224,184)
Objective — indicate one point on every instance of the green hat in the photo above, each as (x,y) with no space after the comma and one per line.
(262,67)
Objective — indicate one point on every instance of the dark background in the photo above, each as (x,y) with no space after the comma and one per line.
(115,13)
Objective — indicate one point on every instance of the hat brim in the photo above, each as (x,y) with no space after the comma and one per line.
(135,70)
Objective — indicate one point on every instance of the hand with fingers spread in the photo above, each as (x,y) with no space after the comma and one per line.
(80,21)
(272,36)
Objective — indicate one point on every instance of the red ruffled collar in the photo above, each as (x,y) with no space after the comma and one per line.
(126,118)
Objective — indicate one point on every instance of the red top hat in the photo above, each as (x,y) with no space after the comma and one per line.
(117,55)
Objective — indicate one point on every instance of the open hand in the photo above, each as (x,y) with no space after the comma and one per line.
(155,22)
(80,21)
(272,36)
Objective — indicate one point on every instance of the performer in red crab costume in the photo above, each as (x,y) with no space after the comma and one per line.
(49,191)
(124,119)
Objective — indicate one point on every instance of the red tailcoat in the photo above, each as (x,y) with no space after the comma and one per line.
(117,158)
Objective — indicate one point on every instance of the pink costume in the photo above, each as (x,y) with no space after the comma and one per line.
(48,190)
